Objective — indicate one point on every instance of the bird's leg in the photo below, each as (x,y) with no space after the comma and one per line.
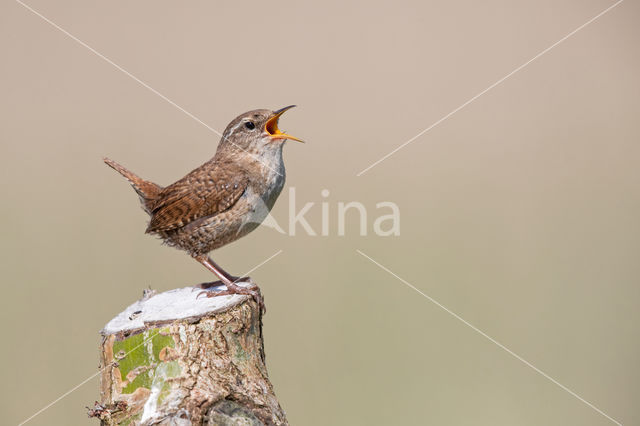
(228,275)
(217,269)
(229,281)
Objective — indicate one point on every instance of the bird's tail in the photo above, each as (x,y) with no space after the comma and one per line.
(148,191)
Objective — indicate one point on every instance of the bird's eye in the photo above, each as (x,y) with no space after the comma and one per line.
(249,125)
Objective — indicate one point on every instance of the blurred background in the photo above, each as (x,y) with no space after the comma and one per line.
(519,212)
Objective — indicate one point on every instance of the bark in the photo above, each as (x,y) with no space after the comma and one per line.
(175,359)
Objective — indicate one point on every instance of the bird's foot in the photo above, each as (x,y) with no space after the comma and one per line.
(232,288)
(205,286)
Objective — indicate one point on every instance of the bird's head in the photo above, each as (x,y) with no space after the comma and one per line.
(256,131)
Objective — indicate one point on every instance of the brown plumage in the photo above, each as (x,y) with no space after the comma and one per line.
(222,200)
(147,191)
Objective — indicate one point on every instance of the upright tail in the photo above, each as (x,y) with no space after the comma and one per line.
(148,191)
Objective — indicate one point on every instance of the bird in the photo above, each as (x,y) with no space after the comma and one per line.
(222,200)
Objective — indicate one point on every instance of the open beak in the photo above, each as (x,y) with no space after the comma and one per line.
(272,126)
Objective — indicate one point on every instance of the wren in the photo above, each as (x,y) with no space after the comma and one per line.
(222,200)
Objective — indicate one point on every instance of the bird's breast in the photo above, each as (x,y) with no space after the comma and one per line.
(264,190)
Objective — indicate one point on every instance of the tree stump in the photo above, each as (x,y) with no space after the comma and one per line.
(176,359)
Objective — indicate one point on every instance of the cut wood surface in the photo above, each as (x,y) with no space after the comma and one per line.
(178,359)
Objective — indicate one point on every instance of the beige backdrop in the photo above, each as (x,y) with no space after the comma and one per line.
(519,213)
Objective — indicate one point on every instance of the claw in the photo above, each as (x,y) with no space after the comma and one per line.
(232,288)
(205,286)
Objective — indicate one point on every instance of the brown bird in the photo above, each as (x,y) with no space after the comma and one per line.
(222,200)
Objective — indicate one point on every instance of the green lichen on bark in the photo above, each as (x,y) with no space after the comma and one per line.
(165,371)
(141,357)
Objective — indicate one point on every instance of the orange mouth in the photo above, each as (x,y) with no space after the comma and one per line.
(272,126)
